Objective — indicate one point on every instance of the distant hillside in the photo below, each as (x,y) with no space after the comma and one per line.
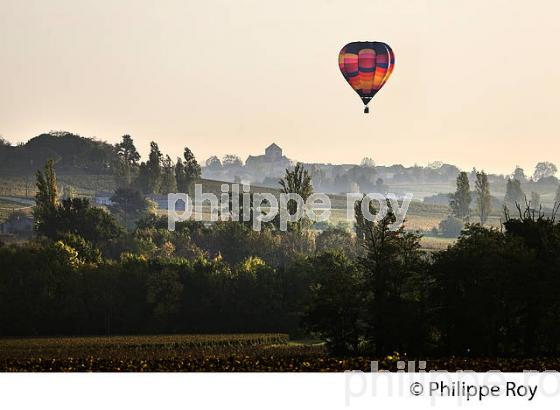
(86,165)
(72,154)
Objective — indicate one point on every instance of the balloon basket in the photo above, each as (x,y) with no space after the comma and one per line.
(366,110)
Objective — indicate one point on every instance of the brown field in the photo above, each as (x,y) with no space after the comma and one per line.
(434,244)
(216,353)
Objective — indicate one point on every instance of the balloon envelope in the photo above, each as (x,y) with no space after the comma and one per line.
(366,66)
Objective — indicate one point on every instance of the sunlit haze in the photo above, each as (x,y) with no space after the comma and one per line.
(476,83)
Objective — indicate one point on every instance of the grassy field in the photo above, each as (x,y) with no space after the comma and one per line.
(9,205)
(216,353)
(83,185)
(420,191)
(434,244)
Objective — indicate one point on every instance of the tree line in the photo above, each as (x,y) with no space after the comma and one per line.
(369,290)
(158,174)
(460,202)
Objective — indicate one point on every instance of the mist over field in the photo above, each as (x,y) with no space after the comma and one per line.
(427,129)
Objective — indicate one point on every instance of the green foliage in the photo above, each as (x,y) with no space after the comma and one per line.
(364,176)
(163,294)
(71,220)
(544,170)
(150,172)
(127,166)
(393,268)
(153,169)
(39,290)
(519,174)
(514,193)
(76,216)
(497,291)
(336,308)
(338,239)
(461,200)
(213,162)
(46,197)
(128,206)
(375,303)
(71,153)
(483,198)
(168,181)
(127,151)
(232,161)
(187,172)
(85,251)
(235,241)
(469,284)
(180,180)
(535,200)
(367,162)
(298,182)
(450,227)
(491,293)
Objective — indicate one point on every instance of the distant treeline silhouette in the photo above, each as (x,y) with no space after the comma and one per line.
(160,174)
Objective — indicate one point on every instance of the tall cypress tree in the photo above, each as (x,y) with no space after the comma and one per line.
(514,193)
(484,199)
(46,197)
(168,183)
(128,160)
(187,172)
(461,200)
(153,166)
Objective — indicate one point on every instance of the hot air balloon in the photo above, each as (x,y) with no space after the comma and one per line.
(366,66)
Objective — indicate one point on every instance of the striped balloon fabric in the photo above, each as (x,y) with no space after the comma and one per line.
(366,66)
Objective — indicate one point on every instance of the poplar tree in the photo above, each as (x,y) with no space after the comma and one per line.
(460,201)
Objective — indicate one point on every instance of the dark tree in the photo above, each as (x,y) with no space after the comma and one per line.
(514,193)
(535,200)
(127,151)
(461,200)
(149,172)
(483,197)
(469,292)
(393,270)
(168,181)
(46,198)
(451,227)
(230,160)
(187,172)
(128,205)
(298,182)
(128,160)
(76,216)
(519,174)
(213,162)
(153,166)
(544,170)
(336,309)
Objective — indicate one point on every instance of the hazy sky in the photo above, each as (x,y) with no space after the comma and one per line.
(476,83)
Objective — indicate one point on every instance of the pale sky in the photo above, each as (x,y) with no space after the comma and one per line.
(476,83)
